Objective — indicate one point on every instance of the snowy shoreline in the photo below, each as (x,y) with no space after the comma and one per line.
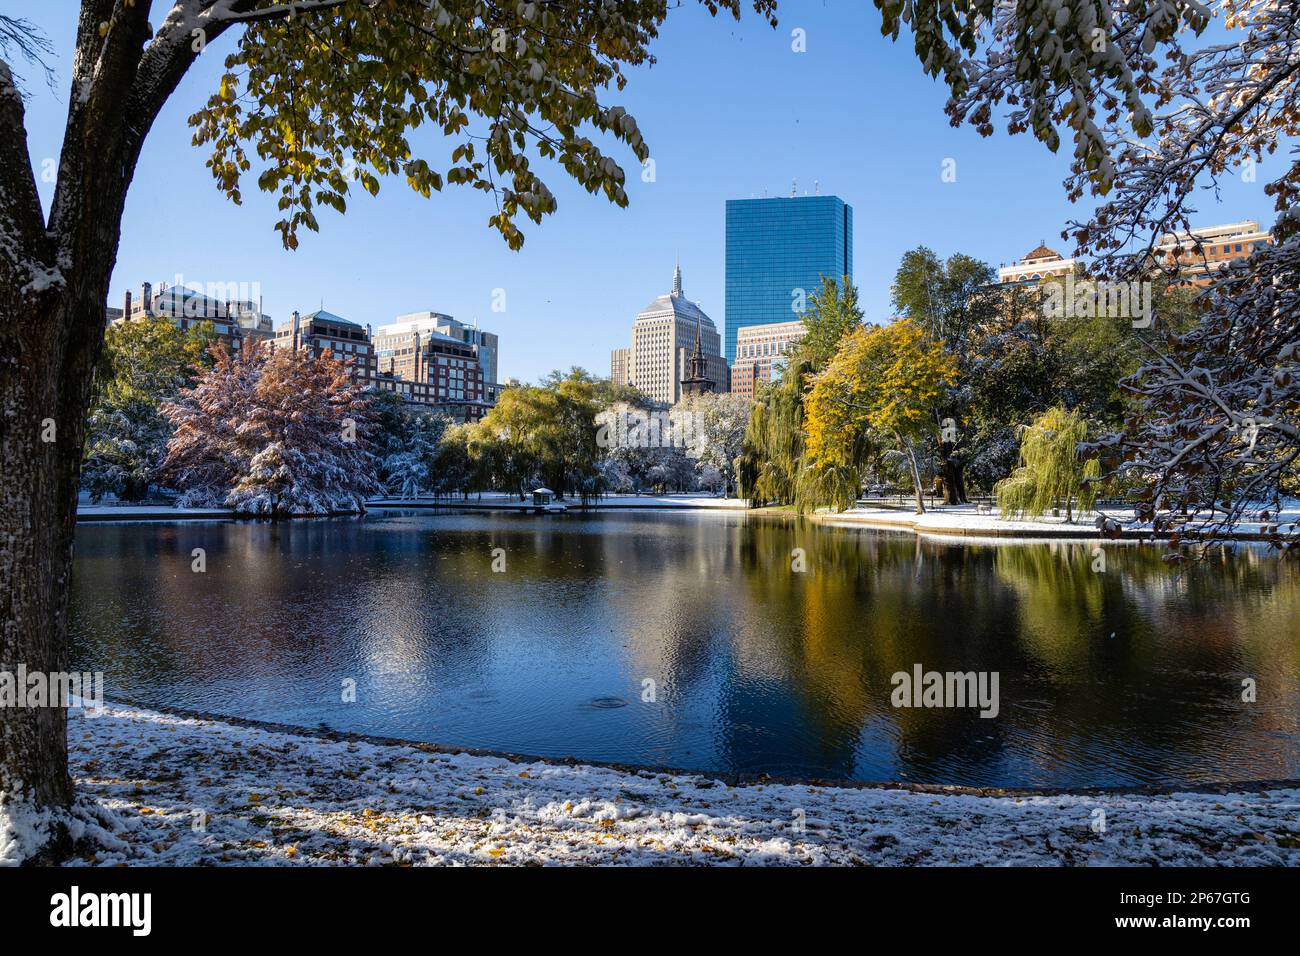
(962,521)
(167,789)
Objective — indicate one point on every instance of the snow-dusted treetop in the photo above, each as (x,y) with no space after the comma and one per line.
(1157,114)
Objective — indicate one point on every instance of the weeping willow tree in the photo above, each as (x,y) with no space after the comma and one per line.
(769,461)
(1051,473)
(833,480)
(773,466)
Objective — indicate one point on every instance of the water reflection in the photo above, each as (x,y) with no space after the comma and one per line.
(1126,676)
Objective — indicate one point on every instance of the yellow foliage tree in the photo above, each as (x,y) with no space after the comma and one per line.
(882,386)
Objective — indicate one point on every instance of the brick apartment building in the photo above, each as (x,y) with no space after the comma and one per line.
(234,319)
(346,340)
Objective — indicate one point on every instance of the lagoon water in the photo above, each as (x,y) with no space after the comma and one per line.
(1132,675)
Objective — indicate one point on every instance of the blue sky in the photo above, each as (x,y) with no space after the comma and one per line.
(729,111)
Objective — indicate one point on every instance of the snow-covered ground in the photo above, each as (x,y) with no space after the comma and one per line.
(127,512)
(671,501)
(962,520)
(489,501)
(165,789)
(496,499)
(109,508)
(967,521)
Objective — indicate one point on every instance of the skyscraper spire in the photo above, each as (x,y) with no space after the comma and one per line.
(697,382)
(677,278)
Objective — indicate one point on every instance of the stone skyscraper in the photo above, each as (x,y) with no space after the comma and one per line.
(664,336)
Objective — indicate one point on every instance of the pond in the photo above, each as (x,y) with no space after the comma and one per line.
(711,641)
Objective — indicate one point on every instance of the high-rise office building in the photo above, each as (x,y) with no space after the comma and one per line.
(665,336)
(777,252)
(618,371)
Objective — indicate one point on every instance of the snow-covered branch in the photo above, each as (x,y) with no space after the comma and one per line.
(1156,118)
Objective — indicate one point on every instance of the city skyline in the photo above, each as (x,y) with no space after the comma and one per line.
(992,569)
(568,296)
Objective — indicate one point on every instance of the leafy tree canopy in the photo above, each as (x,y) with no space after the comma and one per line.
(145,363)
(948,298)
(881,386)
(334,95)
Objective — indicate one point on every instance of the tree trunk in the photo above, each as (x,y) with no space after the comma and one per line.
(135,489)
(45,386)
(916,475)
(36,529)
(952,473)
(53,288)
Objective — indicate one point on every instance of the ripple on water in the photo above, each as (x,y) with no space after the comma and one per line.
(401,628)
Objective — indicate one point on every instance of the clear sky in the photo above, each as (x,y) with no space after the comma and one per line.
(729,111)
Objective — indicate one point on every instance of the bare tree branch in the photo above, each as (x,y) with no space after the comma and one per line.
(17,33)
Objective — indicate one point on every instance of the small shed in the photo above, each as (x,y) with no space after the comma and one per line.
(542,497)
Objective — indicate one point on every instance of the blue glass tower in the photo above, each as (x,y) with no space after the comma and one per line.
(777,252)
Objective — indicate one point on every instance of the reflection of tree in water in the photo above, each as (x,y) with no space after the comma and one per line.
(1111,650)
(869,605)
(271,606)
(788,671)
(1060,599)
(647,578)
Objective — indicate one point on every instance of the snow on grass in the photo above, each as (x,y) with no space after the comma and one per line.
(191,791)
(133,511)
(23,828)
(496,499)
(26,829)
(966,520)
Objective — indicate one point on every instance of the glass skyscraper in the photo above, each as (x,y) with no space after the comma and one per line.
(777,251)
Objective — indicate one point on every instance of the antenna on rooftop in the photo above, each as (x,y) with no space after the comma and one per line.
(817,187)
(794,188)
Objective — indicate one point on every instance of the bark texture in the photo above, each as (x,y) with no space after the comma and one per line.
(54,276)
